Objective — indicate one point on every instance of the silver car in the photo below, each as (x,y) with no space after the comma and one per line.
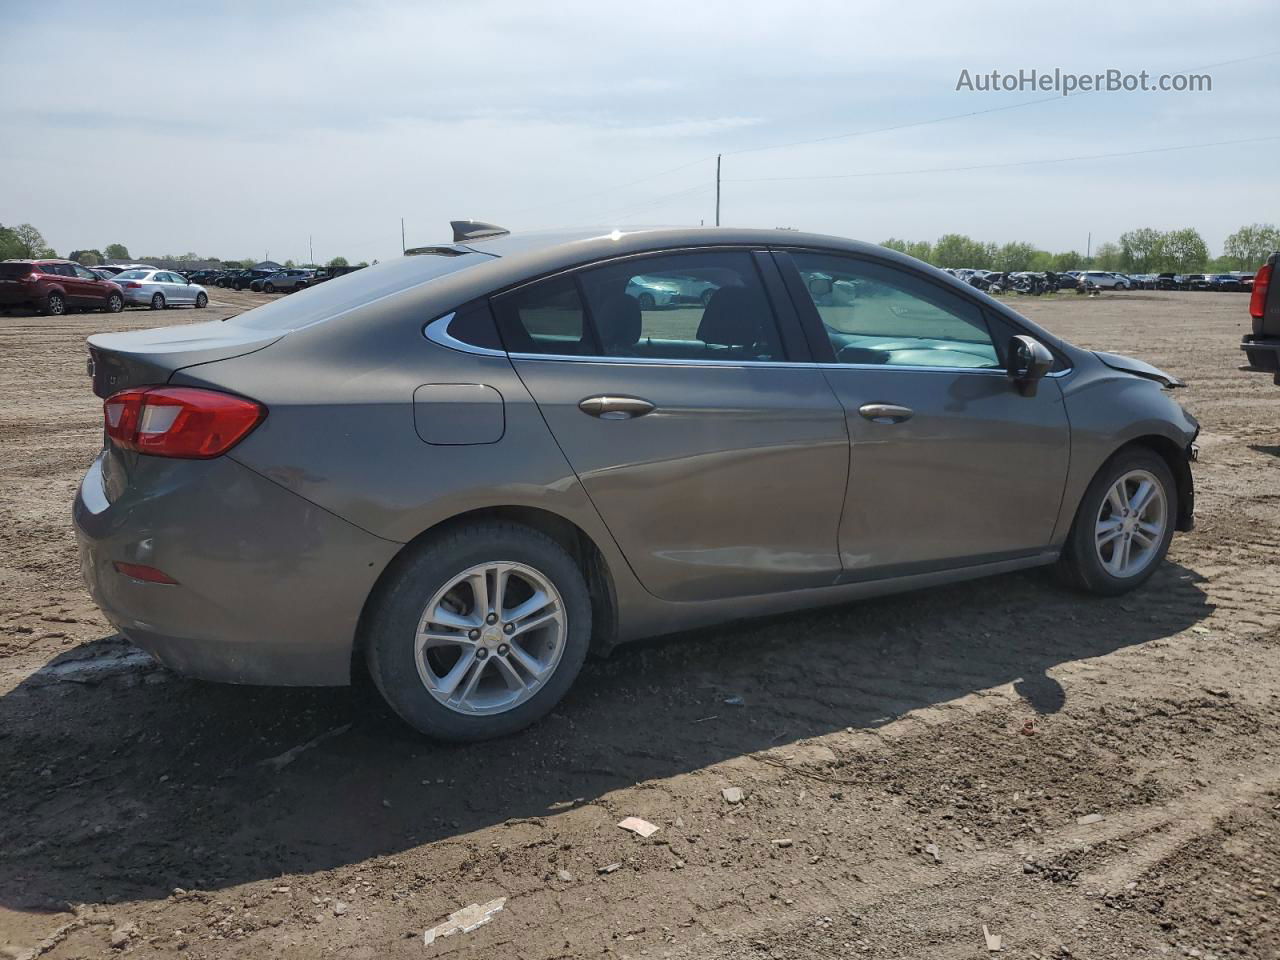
(471,465)
(157,289)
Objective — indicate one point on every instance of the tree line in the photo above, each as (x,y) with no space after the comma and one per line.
(25,242)
(1145,250)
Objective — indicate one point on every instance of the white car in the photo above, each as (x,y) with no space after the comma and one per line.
(158,289)
(1104,281)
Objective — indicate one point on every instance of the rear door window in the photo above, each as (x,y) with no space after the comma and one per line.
(701,305)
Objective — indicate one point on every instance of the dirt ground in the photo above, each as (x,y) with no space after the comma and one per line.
(912,769)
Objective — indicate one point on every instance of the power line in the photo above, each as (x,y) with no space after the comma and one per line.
(996,166)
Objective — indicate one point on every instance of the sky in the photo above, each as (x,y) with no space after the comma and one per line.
(254,129)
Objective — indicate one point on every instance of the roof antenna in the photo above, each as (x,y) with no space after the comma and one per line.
(475,230)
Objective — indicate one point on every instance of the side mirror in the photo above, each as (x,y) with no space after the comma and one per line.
(820,286)
(1029,360)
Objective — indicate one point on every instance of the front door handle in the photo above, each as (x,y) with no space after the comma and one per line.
(885,412)
(615,408)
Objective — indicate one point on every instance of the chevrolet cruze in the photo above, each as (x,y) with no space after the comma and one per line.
(471,465)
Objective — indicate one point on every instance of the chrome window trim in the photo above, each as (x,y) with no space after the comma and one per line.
(437,331)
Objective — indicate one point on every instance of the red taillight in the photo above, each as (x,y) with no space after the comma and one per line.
(1261,281)
(183,422)
(140,571)
(131,285)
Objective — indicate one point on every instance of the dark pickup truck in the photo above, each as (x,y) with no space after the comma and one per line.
(1262,347)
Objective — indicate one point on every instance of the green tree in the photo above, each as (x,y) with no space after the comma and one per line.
(94,257)
(920,249)
(1013,256)
(1071,260)
(339,262)
(31,242)
(1109,256)
(957,250)
(1183,251)
(10,245)
(1249,247)
(116,251)
(1041,260)
(1139,249)
(290,264)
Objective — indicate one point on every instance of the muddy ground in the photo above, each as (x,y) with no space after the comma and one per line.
(913,768)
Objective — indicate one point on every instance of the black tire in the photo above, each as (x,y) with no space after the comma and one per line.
(646,301)
(157,301)
(390,630)
(202,301)
(1080,566)
(55,305)
(268,288)
(115,303)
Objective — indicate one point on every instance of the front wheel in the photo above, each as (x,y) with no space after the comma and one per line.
(115,303)
(269,288)
(157,301)
(1123,526)
(480,633)
(202,301)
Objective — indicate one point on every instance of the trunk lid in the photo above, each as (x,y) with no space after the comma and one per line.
(142,357)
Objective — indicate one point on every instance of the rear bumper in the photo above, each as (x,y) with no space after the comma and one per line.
(139,296)
(1263,354)
(269,586)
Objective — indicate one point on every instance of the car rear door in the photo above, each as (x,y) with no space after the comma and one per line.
(717,461)
(949,464)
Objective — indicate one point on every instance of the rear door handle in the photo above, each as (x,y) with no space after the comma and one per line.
(615,408)
(885,412)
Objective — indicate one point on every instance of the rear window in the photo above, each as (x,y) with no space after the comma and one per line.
(132,274)
(337,296)
(13,271)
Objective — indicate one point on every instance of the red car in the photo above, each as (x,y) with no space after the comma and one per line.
(55,286)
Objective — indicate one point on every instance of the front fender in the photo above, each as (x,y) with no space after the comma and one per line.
(1107,410)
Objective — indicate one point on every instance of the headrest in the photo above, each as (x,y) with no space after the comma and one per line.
(618,322)
(733,318)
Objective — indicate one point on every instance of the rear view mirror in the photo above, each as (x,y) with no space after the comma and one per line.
(1028,362)
(820,286)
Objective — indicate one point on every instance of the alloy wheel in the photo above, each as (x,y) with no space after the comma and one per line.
(490,638)
(1131,523)
(57,306)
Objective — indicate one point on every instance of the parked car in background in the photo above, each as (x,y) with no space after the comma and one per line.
(1245,280)
(1262,346)
(1103,281)
(352,474)
(54,287)
(1168,281)
(1196,281)
(1224,282)
(328,273)
(159,289)
(282,281)
(244,279)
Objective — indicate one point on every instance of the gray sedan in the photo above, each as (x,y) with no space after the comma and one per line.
(158,289)
(472,464)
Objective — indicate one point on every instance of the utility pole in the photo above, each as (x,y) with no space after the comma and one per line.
(1088,248)
(402,245)
(311,248)
(717,189)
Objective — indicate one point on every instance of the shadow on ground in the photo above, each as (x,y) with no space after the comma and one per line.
(131,785)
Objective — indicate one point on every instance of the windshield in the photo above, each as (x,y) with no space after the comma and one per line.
(337,296)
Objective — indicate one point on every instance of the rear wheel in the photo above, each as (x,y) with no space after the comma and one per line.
(157,301)
(268,288)
(646,301)
(115,303)
(55,305)
(1123,526)
(202,301)
(480,633)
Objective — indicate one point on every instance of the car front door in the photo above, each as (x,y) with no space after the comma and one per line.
(91,290)
(718,465)
(176,289)
(950,465)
